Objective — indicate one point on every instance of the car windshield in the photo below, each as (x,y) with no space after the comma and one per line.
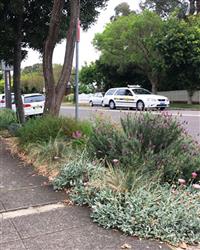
(141,91)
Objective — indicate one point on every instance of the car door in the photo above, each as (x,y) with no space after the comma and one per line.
(124,98)
(119,97)
(99,98)
(95,99)
(130,100)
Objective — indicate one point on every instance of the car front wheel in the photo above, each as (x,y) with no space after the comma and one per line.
(112,105)
(162,108)
(140,106)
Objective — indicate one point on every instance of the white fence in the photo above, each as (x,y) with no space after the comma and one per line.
(180,96)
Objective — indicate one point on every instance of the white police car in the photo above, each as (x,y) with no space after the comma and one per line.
(134,96)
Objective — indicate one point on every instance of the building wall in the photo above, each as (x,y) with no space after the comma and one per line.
(180,96)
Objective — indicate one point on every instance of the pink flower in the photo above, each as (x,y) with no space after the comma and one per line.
(115,161)
(196,186)
(194,175)
(76,134)
(181,181)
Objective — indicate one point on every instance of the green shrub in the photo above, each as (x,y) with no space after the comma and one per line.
(42,129)
(75,173)
(178,160)
(68,98)
(161,213)
(2,85)
(105,141)
(155,132)
(154,145)
(69,126)
(7,117)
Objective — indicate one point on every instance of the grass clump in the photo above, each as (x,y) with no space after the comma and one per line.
(52,153)
(7,117)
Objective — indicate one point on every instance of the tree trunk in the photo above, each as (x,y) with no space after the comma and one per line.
(190,95)
(55,93)
(192,7)
(48,56)
(154,83)
(154,88)
(17,70)
(198,6)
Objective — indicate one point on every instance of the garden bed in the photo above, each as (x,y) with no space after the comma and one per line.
(140,177)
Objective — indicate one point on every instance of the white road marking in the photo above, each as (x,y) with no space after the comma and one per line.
(30,211)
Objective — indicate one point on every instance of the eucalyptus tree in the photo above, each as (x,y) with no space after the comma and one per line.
(130,40)
(122,9)
(179,45)
(62,23)
(166,8)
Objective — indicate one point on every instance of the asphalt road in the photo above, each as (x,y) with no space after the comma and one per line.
(189,119)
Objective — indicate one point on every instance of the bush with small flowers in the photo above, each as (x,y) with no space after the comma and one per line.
(150,143)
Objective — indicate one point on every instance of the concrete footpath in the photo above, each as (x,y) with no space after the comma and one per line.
(34,217)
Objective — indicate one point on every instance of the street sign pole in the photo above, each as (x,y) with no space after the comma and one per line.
(7,87)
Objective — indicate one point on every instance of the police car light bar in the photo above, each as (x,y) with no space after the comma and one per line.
(134,86)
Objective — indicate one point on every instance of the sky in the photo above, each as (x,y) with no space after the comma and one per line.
(87,52)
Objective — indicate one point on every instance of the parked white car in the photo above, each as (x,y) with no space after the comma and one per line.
(3,100)
(134,96)
(33,104)
(96,99)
